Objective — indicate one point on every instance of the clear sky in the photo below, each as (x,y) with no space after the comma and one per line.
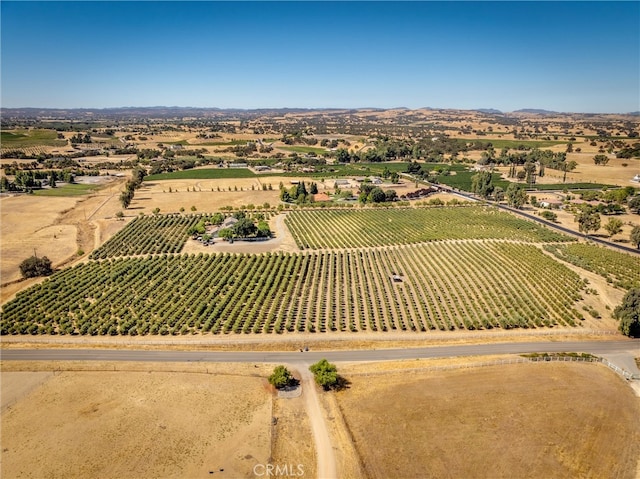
(574,56)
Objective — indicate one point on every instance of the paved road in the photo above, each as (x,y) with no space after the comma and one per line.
(631,346)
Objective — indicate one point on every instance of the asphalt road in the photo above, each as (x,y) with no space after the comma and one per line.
(630,346)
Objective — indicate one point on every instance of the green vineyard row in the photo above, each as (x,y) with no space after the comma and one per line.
(322,229)
(433,286)
(620,269)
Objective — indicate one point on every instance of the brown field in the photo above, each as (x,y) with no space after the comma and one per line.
(137,424)
(525,420)
(396,419)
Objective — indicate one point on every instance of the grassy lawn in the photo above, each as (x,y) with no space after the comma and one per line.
(304,149)
(25,138)
(73,189)
(514,144)
(203,174)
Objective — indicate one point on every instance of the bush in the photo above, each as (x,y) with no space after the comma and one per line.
(281,378)
(325,374)
(34,266)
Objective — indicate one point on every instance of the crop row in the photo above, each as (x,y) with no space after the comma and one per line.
(378,227)
(435,286)
(620,269)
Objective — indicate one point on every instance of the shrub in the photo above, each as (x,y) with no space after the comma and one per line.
(34,266)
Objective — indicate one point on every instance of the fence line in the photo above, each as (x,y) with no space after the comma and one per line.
(496,362)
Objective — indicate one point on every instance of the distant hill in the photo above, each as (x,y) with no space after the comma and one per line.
(536,111)
(488,111)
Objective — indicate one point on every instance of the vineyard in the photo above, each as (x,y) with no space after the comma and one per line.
(380,227)
(620,269)
(157,234)
(433,286)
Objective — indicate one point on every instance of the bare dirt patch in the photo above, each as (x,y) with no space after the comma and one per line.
(525,420)
(138,424)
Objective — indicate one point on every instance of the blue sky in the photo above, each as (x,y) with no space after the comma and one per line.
(573,56)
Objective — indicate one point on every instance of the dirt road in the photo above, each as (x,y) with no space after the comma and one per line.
(326,459)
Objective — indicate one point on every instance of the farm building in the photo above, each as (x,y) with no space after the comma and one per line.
(238,165)
(228,222)
(320,197)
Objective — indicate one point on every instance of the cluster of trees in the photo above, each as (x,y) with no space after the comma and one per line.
(370,193)
(133,184)
(601,159)
(246,228)
(80,138)
(34,266)
(325,374)
(298,193)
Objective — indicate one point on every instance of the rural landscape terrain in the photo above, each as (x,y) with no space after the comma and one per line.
(286,236)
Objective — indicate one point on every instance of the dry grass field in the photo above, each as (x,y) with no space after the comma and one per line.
(141,423)
(525,421)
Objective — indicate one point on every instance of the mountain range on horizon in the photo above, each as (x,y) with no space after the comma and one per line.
(26,112)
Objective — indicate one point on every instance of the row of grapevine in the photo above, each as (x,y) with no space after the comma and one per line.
(620,269)
(437,286)
(157,234)
(319,229)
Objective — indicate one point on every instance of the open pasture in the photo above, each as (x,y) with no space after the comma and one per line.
(435,286)
(561,420)
(378,227)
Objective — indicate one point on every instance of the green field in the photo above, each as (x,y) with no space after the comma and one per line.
(320,229)
(27,138)
(72,189)
(514,144)
(304,149)
(203,174)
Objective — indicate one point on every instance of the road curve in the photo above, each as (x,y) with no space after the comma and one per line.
(594,347)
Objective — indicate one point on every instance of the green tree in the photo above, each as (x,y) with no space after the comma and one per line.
(313,189)
(601,159)
(498,193)
(325,374)
(281,378)
(377,196)
(225,234)
(516,195)
(634,204)
(125,198)
(263,229)
(482,184)
(34,266)
(613,226)
(635,236)
(628,313)
(244,228)
(588,221)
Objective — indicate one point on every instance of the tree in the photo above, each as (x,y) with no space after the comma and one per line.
(325,374)
(263,229)
(377,196)
(516,195)
(225,234)
(498,193)
(634,204)
(601,159)
(313,189)
(281,378)
(628,313)
(635,236)
(34,266)
(125,198)
(244,228)
(613,226)
(482,184)
(588,221)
